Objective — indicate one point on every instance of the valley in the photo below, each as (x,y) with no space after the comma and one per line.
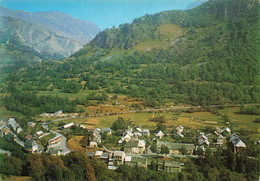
(171,96)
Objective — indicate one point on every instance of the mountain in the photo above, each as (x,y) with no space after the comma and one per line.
(48,44)
(59,22)
(202,56)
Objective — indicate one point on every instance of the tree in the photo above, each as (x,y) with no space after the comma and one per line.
(120,124)
(161,127)
(90,173)
(200,151)
(164,149)
(183,150)
(35,166)
(153,148)
(153,165)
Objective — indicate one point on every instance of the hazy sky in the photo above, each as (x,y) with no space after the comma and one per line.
(104,13)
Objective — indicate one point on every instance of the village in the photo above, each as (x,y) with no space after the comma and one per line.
(137,145)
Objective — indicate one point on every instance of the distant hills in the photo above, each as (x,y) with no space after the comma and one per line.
(26,38)
(202,56)
(59,22)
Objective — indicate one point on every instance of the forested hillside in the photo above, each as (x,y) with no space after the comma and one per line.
(202,56)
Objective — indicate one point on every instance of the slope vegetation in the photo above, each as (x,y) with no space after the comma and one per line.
(202,56)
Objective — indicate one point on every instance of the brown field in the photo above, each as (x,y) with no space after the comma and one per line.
(211,122)
(183,119)
(15,178)
(74,143)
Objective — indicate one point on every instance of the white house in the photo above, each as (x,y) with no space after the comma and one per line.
(66,126)
(160,134)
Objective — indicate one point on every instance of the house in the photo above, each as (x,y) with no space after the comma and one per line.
(136,161)
(237,143)
(118,158)
(217,131)
(220,140)
(159,134)
(120,141)
(31,124)
(29,136)
(108,131)
(138,134)
(13,124)
(98,154)
(30,145)
(39,133)
(96,136)
(66,126)
(93,144)
(138,128)
(146,132)
(135,146)
(177,148)
(54,141)
(90,154)
(226,131)
(180,129)
(19,130)
(4,130)
(126,137)
(105,157)
(58,113)
(202,139)
(169,166)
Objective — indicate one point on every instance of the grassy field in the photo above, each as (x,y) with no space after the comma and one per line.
(241,120)
(74,143)
(14,178)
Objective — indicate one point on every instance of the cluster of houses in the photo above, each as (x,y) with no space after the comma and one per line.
(6,127)
(10,128)
(130,132)
(220,136)
(114,159)
(97,136)
(134,151)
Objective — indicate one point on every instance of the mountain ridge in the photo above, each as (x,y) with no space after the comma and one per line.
(64,24)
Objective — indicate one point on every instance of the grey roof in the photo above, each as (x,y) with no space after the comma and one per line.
(106,130)
(29,143)
(119,153)
(105,155)
(169,163)
(90,154)
(139,160)
(172,164)
(131,144)
(12,123)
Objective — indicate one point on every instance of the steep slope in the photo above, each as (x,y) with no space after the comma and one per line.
(63,24)
(203,56)
(47,43)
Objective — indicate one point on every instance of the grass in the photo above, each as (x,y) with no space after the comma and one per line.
(44,140)
(15,178)
(240,120)
(4,113)
(74,143)
(200,120)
